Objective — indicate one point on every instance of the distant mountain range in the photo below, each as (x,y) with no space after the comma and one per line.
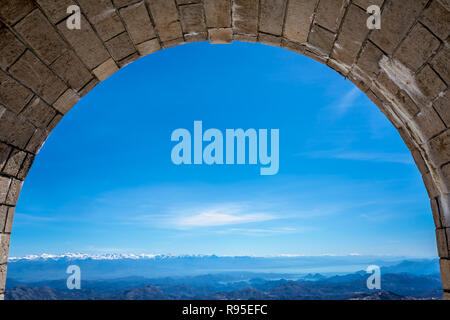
(150,277)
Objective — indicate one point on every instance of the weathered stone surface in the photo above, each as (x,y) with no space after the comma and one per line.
(165,14)
(123,3)
(173,43)
(436,214)
(12,11)
(38,112)
(120,46)
(192,18)
(41,36)
(5,150)
(440,148)
(102,14)
(13,95)
(66,101)
(397,17)
(14,130)
(330,13)
(245,16)
(272,16)
(442,244)
(138,22)
(4,187)
(437,18)
(10,48)
(441,63)
(418,46)
(429,83)
(245,37)
(13,192)
(88,87)
(269,39)
(442,106)
(407,104)
(55,10)
(320,40)
(70,68)
(196,36)
(293,46)
(14,163)
(38,77)
(85,43)
(4,248)
(220,36)
(25,166)
(9,220)
(36,141)
(3,217)
(218,13)
(299,17)
(105,70)
(2,278)
(367,3)
(351,36)
(369,60)
(129,59)
(148,47)
(445,273)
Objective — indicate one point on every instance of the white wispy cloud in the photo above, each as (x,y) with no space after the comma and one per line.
(347,101)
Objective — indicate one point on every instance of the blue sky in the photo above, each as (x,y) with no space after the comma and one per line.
(104,181)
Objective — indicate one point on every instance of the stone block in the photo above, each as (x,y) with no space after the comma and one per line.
(4,248)
(129,59)
(41,36)
(4,187)
(3,217)
(138,22)
(25,167)
(330,12)
(445,273)
(299,16)
(123,3)
(105,70)
(88,87)
(4,153)
(196,36)
(220,36)
(271,17)
(148,47)
(37,140)
(38,112)
(442,106)
(418,46)
(85,43)
(14,163)
(442,244)
(10,48)
(14,192)
(429,123)
(120,46)
(9,219)
(437,18)
(218,13)
(436,213)
(2,279)
(55,10)
(70,68)
(368,61)
(245,37)
(269,39)
(351,36)
(440,149)
(407,104)
(245,17)
(37,76)
(103,16)
(320,41)
(192,18)
(14,129)
(12,11)
(13,95)
(441,63)
(66,101)
(429,83)
(165,15)
(396,19)
(293,46)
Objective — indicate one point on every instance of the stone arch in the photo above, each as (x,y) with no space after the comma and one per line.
(45,68)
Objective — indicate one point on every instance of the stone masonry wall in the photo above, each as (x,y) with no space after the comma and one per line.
(45,69)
